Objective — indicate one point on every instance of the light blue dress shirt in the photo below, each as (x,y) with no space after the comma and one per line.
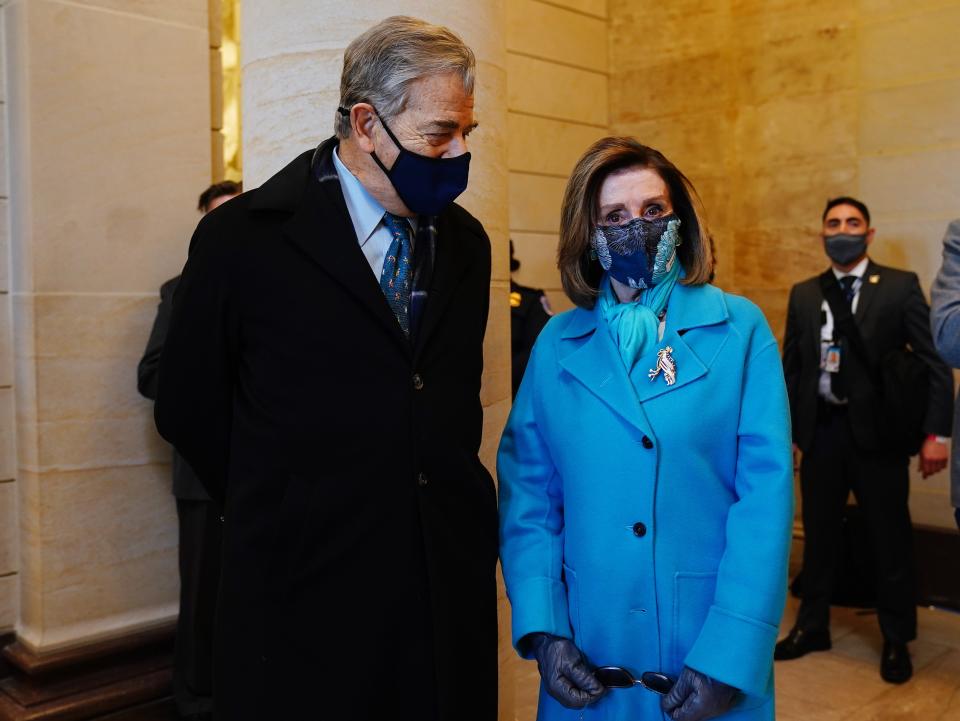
(366,214)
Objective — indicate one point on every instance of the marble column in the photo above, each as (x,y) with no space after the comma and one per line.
(107,105)
(292,55)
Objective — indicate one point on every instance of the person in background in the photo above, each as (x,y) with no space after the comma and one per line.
(646,484)
(841,326)
(945,322)
(322,376)
(529,312)
(198,521)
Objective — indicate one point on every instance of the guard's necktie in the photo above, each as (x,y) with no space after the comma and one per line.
(846,284)
(396,276)
(838,385)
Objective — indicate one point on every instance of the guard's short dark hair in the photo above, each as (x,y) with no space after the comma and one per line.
(847,200)
(227,187)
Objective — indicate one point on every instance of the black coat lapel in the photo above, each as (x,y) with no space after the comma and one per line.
(450,263)
(320,227)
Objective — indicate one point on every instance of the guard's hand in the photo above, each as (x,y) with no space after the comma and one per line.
(695,697)
(564,671)
(933,457)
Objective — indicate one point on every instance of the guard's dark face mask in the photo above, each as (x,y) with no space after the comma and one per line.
(844,248)
(425,185)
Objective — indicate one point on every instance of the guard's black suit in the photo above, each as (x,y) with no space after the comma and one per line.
(360,540)
(843,448)
(199,535)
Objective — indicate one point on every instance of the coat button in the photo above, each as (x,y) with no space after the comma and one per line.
(639,530)
(417,382)
(422,480)
(646,443)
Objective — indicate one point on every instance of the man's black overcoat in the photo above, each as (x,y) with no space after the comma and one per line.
(891,314)
(360,532)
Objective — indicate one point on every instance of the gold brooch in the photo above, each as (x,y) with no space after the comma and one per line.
(666,364)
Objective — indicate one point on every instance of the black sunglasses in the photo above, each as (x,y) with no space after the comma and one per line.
(618,677)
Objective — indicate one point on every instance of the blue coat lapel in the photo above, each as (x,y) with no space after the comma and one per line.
(689,308)
(597,364)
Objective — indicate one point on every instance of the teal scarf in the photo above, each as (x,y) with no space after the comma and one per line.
(633,326)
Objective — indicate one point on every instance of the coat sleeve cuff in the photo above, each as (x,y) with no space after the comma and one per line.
(539,605)
(736,650)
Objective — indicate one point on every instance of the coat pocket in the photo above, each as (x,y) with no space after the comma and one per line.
(693,595)
(573,603)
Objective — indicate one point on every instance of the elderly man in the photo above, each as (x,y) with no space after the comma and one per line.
(322,376)
(846,329)
(945,320)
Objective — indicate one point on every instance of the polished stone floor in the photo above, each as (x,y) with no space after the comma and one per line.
(843,684)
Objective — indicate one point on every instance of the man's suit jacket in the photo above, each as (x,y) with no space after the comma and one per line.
(186,485)
(891,314)
(945,321)
(359,520)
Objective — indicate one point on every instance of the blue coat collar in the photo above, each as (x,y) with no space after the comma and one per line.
(596,362)
(689,307)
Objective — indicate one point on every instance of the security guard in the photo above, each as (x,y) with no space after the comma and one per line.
(529,312)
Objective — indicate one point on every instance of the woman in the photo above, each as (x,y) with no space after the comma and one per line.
(645,471)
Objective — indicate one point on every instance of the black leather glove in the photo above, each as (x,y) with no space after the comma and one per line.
(695,697)
(564,670)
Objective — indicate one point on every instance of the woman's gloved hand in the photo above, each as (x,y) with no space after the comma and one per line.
(564,670)
(695,697)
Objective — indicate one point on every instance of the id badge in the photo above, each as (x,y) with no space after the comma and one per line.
(831,359)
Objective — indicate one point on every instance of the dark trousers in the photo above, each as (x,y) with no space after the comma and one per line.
(200,542)
(832,467)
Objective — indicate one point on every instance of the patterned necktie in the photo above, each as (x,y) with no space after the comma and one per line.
(846,284)
(396,276)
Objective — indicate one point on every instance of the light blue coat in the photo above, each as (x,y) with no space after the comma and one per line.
(705,584)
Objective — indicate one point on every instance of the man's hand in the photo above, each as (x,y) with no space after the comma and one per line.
(564,671)
(696,697)
(933,457)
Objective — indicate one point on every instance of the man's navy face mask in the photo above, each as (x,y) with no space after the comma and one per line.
(638,253)
(425,185)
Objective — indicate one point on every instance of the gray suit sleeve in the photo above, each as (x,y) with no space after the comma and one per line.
(916,319)
(945,299)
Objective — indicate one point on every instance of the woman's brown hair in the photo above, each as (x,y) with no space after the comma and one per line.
(581,273)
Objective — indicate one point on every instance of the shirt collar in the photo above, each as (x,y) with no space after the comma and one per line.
(858,270)
(365,212)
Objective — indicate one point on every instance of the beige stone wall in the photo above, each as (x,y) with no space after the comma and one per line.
(557,83)
(8,499)
(772,107)
(108,104)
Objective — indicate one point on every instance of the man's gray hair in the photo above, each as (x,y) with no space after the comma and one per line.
(380,66)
